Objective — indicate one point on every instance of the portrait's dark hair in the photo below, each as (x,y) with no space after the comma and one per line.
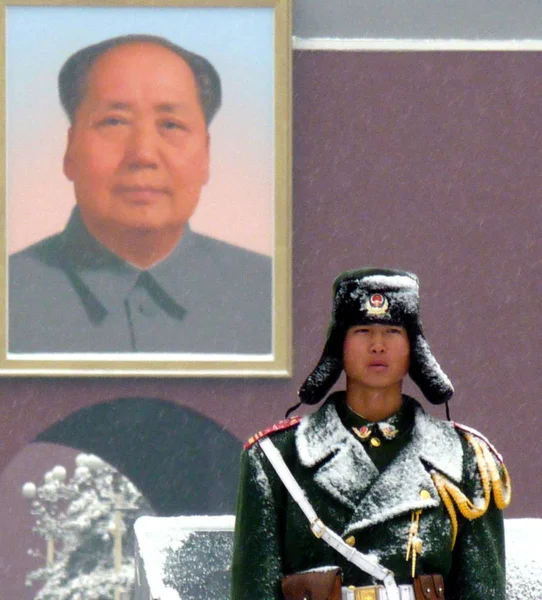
(73,76)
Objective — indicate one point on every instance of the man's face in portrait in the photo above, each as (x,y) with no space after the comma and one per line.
(138,149)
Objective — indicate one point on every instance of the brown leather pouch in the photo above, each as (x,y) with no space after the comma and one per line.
(429,587)
(313,585)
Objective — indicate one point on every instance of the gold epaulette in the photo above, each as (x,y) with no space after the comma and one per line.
(495,482)
(280,426)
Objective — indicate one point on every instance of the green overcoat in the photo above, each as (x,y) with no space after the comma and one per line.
(367,495)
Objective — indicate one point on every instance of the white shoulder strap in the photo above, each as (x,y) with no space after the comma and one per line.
(318,528)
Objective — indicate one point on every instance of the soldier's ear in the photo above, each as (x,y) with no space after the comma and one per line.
(68,156)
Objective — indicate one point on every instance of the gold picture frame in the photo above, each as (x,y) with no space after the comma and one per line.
(249,44)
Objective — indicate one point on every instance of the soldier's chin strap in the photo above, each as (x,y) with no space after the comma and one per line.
(318,528)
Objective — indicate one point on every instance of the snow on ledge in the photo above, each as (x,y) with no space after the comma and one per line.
(523,559)
(156,534)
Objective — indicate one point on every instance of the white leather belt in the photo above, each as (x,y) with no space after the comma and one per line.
(376,592)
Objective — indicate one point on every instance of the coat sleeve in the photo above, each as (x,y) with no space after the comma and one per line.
(478,570)
(478,561)
(256,565)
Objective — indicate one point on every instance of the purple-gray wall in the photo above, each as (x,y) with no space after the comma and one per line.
(418,19)
(424,161)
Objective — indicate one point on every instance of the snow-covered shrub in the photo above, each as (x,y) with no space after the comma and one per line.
(79,519)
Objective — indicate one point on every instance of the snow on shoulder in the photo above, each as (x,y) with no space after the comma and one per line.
(466,430)
(493,472)
(280,426)
(494,477)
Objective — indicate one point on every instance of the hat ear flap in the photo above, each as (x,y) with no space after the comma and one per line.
(327,371)
(427,374)
(321,380)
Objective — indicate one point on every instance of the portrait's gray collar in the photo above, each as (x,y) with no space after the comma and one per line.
(104,280)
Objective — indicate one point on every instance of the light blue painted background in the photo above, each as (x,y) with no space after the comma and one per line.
(240,44)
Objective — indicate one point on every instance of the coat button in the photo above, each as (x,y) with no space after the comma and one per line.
(425,495)
(350,540)
(375,442)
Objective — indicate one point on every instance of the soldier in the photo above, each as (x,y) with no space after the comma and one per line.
(406,506)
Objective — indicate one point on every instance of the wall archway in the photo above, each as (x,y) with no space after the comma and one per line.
(183,462)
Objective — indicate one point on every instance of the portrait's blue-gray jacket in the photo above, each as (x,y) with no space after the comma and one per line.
(370,494)
(68,293)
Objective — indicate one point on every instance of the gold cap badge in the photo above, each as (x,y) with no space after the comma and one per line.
(377,304)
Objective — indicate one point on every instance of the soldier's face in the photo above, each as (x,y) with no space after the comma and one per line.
(376,356)
(138,151)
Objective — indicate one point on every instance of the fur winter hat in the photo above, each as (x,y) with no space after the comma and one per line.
(385,296)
